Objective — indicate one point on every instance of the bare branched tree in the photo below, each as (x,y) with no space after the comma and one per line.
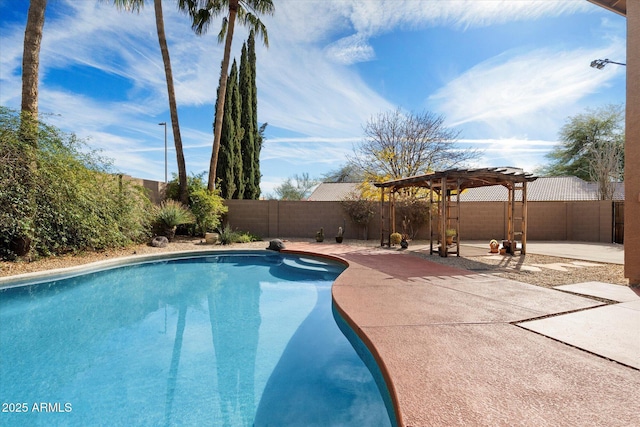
(398,145)
(605,167)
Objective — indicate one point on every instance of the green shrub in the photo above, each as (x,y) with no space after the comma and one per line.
(244,238)
(227,235)
(62,197)
(207,208)
(172,213)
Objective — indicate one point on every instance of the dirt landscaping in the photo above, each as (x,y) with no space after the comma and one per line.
(507,266)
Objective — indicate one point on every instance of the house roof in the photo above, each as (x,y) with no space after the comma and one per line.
(332,191)
(562,188)
(551,189)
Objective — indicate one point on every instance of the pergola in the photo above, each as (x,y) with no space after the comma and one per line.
(445,188)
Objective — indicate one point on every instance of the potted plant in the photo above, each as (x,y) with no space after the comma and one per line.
(339,235)
(404,243)
(320,235)
(450,233)
(395,238)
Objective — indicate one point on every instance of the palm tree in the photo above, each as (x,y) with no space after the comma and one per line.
(132,5)
(247,11)
(30,69)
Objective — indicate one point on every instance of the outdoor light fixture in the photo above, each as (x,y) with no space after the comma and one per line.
(600,63)
(165,150)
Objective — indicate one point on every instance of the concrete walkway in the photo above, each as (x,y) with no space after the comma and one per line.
(609,253)
(461,348)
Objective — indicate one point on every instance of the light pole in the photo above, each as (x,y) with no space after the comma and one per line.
(600,63)
(165,150)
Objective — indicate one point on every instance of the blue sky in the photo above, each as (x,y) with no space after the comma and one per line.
(506,74)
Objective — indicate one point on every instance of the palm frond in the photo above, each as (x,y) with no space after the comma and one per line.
(129,5)
(259,7)
(223,29)
(254,23)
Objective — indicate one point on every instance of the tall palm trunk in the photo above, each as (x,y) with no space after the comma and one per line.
(30,68)
(21,243)
(222,91)
(175,126)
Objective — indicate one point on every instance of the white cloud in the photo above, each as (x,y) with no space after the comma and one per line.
(517,93)
(307,85)
(350,50)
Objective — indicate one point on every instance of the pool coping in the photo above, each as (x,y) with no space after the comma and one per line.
(76,270)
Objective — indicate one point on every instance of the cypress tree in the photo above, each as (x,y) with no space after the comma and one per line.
(234,95)
(225,159)
(246,120)
(258,131)
(228,172)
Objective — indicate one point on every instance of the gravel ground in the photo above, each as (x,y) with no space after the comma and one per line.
(510,267)
(506,266)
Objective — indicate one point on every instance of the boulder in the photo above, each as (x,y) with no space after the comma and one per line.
(159,242)
(276,245)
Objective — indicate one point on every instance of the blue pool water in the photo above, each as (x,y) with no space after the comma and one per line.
(238,339)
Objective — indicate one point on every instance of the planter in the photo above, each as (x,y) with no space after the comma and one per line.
(338,239)
(211,238)
(449,240)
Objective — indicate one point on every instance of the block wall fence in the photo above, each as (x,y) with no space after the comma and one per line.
(590,221)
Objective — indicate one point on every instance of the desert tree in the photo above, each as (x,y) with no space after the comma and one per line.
(591,147)
(398,145)
(296,188)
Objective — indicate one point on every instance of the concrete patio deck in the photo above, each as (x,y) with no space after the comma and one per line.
(461,348)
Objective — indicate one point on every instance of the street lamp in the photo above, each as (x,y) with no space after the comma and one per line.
(600,63)
(165,150)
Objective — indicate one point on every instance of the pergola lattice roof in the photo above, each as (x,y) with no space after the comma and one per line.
(467,178)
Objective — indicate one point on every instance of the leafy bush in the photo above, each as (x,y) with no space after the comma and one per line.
(60,197)
(360,210)
(206,206)
(414,214)
(228,235)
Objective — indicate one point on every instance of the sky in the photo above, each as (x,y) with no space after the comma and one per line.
(506,74)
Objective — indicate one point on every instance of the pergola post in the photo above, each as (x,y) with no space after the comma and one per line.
(524,218)
(381,216)
(444,214)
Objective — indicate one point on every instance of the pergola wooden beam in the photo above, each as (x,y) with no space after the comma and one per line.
(444,183)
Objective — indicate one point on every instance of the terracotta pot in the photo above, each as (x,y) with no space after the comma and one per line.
(211,238)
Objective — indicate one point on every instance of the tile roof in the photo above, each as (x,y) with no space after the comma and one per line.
(563,188)
(332,191)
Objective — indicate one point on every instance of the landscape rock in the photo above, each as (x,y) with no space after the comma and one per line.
(159,242)
(276,245)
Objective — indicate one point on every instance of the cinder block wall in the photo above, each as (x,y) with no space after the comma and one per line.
(578,221)
(483,220)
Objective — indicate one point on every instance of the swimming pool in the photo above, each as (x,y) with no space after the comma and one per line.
(232,339)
